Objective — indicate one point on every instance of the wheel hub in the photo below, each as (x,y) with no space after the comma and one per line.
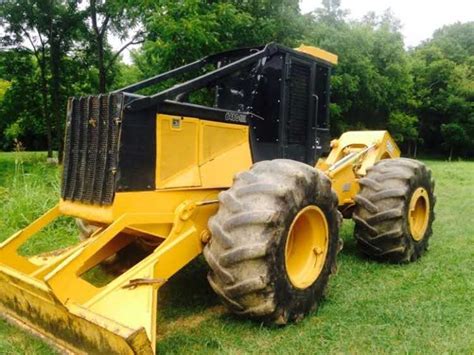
(419,213)
(306,246)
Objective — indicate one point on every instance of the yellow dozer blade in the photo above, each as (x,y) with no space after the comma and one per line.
(47,294)
(32,304)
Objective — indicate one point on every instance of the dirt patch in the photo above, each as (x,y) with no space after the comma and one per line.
(188,322)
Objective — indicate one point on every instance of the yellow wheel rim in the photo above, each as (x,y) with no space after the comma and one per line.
(419,213)
(306,246)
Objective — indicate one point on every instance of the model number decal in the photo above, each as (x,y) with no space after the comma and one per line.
(235,117)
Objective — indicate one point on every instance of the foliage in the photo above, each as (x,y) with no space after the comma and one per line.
(61,49)
(117,17)
(454,136)
(179,32)
(46,29)
(127,74)
(20,106)
(443,73)
(372,78)
(4,86)
(403,127)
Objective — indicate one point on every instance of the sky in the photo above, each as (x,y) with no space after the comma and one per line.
(419,18)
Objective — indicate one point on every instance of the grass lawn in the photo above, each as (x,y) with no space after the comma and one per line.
(424,307)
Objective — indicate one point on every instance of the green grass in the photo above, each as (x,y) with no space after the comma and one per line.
(424,307)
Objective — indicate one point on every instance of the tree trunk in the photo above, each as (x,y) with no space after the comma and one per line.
(40,56)
(450,153)
(415,150)
(56,93)
(44,98)
(99,34)
(101,65)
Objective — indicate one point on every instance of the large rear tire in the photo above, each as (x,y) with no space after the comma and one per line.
(274,241)
(394,210)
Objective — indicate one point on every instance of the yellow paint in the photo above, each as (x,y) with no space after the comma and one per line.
(214,172)
(160,201)
(419,213)
(50,297)
(217,138)
(9,247)
(197,153)
(196,159)
(318,53)
(84,331)
(350,157)
(306,246)
(177,152)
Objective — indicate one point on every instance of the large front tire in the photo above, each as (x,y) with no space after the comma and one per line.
(395,210)
(274,241)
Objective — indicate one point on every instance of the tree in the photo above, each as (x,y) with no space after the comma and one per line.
(56,48)
(331,13)
(274,21)
(64,21)
(404,129)
(179,32)
(454,137)
(372,79)
(443,73)
(22,19)
(4,85)
(20,105)
(112,16)
(126,75)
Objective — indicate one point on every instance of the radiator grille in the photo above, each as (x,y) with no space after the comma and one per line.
(91,149)
(298,107)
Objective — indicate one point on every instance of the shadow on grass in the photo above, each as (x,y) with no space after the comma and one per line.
(186,293)
(187,299)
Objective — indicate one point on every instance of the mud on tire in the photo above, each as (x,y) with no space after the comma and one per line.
(246,254)
(381,215)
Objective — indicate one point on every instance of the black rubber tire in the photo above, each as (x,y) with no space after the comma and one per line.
(246,253)
(381,214)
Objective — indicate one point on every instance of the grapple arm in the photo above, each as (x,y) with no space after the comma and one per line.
(350,157)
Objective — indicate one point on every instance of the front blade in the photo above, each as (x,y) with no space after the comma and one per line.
(31,303)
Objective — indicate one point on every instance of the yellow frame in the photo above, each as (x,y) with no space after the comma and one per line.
(350,157)
(121,315)
(47,293)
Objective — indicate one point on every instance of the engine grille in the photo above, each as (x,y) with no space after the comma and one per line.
(91,149)
(298,107)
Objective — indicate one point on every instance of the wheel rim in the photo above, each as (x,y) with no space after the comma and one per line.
(419,213)
(306,246)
